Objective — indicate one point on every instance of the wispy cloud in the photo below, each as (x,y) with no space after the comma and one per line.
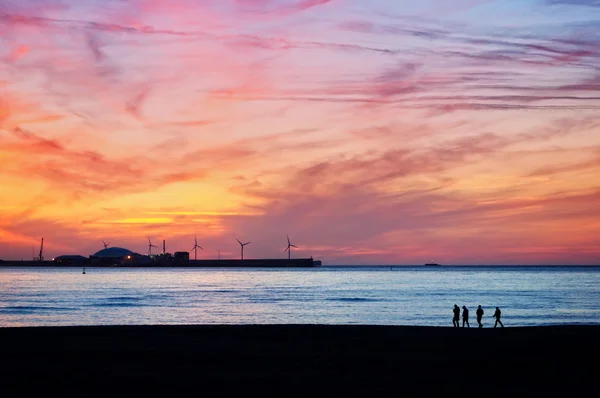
(587,3)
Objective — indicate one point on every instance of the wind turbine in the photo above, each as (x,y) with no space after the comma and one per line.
(105,244)
(288,248)
(196,247)
(242,245)
(150,246)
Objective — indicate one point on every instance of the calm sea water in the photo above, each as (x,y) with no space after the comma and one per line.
(328,295)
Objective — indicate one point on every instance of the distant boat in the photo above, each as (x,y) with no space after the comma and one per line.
(432,265)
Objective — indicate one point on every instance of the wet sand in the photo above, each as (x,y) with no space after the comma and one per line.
(298,360)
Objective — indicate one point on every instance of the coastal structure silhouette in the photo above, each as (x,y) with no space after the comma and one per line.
(41,258)
(118,256)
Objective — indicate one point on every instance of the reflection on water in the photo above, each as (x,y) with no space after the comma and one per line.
(402,296)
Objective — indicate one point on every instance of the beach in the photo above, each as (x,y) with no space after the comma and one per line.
(298,360)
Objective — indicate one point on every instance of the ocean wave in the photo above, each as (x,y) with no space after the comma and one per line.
(125,298)
(117,304)
(31,308)
(352,299)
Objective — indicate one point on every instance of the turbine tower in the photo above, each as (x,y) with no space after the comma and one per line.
(196,247)
(288,248)
(105,244)
(242,245)
(150,246)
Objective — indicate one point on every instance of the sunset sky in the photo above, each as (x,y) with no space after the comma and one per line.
(371,132)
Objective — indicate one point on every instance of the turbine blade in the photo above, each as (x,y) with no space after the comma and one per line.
(239,241)
(247,243)
(200,247)
(193,249)
(286,249)
(288,238)
(294,246)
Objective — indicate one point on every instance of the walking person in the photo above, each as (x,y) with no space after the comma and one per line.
(466,317)
(497,315)
(479,313)
(455,320)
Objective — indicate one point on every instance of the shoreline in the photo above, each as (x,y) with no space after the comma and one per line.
(171,263)
(299,360)
(425,328)
(52,264)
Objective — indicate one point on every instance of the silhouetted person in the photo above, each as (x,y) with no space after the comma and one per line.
(466,317)
(479,313)
(456,319)
(497,316)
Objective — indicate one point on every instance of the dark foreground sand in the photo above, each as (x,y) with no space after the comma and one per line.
(294,360)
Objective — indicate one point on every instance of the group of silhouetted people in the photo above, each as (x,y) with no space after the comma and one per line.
(479,312)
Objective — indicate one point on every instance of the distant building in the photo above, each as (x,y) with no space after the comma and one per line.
(117,256)
(71,260)
(163,260)
(182,258)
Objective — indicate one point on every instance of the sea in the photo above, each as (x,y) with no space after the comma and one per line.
(424,296)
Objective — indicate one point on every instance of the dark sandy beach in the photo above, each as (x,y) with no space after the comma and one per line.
(294,360)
